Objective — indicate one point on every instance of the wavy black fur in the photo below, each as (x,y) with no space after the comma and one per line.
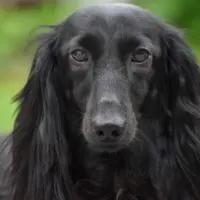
(51,160)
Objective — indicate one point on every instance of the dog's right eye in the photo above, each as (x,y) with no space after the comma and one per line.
(80,55)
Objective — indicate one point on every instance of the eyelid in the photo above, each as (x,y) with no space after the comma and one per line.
(71,50)
(143,48)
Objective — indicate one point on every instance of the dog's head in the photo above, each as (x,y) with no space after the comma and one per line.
(110,56)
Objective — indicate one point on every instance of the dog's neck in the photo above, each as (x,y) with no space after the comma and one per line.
(124,172)
(121,173)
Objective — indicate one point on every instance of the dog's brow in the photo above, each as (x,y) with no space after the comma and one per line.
(129,41)
(95,37)
(93,42)
(90,40)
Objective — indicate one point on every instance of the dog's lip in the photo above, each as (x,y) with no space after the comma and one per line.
(107,147)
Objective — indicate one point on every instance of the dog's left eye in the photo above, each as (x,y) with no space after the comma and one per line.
(140,55)
(80,55)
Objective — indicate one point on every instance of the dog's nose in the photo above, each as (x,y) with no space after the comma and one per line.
(109,128)
(109,120)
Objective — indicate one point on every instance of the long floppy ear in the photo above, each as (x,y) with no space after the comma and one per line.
(40,148)
(184,103)
(178,85)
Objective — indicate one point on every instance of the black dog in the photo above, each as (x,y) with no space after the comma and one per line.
(110,111)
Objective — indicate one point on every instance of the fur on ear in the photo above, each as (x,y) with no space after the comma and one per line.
(178,85)
(40,149)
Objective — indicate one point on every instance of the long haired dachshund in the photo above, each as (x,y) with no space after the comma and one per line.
(110,111)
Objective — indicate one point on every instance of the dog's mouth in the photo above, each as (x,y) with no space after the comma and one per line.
(110,145)
(107,148)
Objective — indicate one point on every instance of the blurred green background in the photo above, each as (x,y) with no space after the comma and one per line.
(17,23)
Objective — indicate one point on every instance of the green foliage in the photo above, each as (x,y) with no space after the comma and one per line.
(17,25)
(181,13)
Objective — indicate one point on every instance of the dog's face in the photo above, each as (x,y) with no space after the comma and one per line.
(111,55)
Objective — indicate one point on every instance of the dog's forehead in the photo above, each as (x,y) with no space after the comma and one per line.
(110,15)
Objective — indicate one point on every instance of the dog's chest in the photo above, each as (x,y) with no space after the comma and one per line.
(115,178)
(133,186)
(115,183)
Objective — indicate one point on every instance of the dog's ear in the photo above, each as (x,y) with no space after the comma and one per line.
(182,72)
(177,80)
(40,148)
(181,81)
(177,75)
(184,103)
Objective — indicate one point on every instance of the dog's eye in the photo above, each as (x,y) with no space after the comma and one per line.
(140,55)
(80,55)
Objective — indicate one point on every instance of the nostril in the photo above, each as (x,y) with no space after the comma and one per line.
(108,132)
(115,133)
(100,133)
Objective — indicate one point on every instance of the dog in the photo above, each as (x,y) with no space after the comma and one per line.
(110,110)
